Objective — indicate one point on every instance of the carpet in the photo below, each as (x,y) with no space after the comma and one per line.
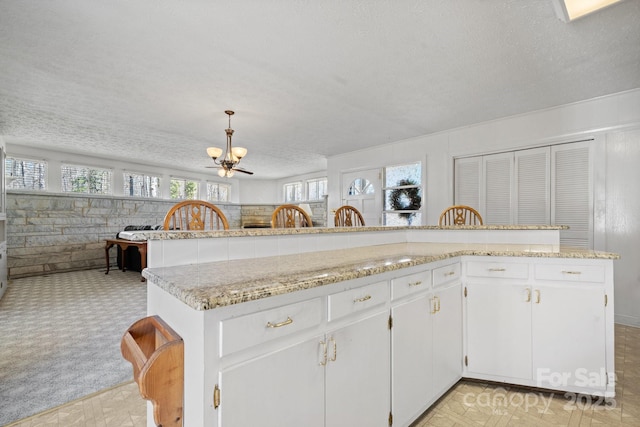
(60,337)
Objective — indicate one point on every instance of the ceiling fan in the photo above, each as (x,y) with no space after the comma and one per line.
(228,164)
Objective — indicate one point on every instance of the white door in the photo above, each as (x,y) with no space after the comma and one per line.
(357,374)
(411,355)
(499,330)
(447,337)
(569,335)
(281,389)
(363,191)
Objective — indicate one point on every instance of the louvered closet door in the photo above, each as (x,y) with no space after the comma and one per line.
(532,176)
(498,188)
(572,193)
(468,176)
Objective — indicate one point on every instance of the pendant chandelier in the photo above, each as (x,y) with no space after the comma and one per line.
(227,160)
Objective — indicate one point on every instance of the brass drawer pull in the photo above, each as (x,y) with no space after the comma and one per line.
(364,298)
(278,325)
(537,296)
(418,283)
(571,272)
(497,269)
(528,295)
(451,273)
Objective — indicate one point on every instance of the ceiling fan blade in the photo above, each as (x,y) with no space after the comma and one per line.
(242,170)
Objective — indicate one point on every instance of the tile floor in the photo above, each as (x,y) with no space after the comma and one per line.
(469,403)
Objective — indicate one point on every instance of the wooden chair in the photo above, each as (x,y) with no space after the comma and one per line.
(195,215)
(460,215)
(290,216)
(348,216)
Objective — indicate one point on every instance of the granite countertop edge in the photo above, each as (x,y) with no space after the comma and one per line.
(249,232)
(198,286)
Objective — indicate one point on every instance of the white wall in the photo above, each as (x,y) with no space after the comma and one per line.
(256,191)
(613,121)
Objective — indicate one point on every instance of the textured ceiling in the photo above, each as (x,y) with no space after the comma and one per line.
(149,80)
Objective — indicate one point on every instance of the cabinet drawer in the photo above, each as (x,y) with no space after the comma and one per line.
(498,270)
(256,328)
(446,274)
(570,272)
(411,284)
(358,299)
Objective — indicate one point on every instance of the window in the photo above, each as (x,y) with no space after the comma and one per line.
(293,192)
(25,173)
(316,188)
(140,185)
(403,194)
(84,179)
(360,186)
(183,189)
(217,192)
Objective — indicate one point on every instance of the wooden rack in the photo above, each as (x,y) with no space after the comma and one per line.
(157,355)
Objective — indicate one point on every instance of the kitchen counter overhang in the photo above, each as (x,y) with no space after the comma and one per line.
(211,285)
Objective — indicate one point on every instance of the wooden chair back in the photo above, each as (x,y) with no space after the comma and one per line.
(348,216)
(460,215)
(195,215)
(290,216)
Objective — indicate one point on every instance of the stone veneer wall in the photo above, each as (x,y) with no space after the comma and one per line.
(50,232)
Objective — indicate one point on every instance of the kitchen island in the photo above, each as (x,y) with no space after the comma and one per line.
(370,326)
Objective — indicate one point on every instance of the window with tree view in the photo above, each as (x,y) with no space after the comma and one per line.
(183,189)
(84,179)
(141,185)
(403,194)
(25,174)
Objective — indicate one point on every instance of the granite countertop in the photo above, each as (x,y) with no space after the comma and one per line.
(203,287)
(183,234)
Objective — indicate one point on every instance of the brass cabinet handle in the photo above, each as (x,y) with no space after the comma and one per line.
(364,298)
(433,305)
(528,295)
(278,325)
(451,273)
(497,269)
(417,283)
(571,272)
(537,296)
(323,362)
(438,302)
(335,350)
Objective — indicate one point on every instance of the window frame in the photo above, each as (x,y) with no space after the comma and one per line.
(42,180)
(184,181)
(126,175)
(386,190)
(90,170)
(217,184)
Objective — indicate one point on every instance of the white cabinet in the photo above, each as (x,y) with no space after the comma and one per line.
(282,388)
(549,328)
(411,347)
(357,374)
(426,339)
(498,329)
(447,336)
(281,372)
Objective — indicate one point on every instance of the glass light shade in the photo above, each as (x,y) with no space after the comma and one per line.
(214,152)
(239,152)
(222,173)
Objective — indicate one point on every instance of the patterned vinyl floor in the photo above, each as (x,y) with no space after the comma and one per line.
(60,337)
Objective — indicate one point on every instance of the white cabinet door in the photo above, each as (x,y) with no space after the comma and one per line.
(357,374)
(411,354)
(281,389)
(569,335)
(447,337)
(499,330)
